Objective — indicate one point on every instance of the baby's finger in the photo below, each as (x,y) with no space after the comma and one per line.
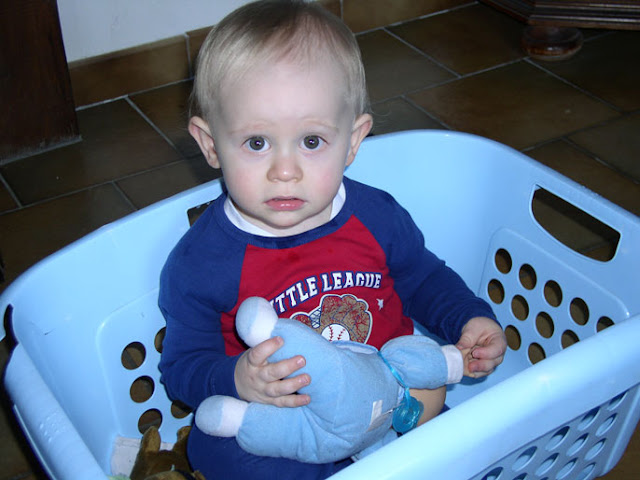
(287,387)
(259,354)
(284,368)
(481,368)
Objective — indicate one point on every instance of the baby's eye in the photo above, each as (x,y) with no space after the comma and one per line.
(312,142)
(257,144)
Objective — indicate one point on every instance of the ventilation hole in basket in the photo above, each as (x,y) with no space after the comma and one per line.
(595,450)
(536,353)
(520,307)
(493,474)
(557,438)
(569,338)
(180,410)
(547,464)
(133,355)
(503,261)
(194,213)
(528,277)
(513,337)
(544,325)
(586,472)
(524,459)
(522,476)
(604,322)
(495,290)
(150,418)
(566,470)
(606,425)
(615,402)
(579,311)
(141,389)
(573,227)
(588,419)
(577,445)
(553,293)
(159,338)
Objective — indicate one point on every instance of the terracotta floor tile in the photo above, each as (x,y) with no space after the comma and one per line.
(30,234)
(604,67)
(150,187)
(116,142)
(138,68)
(168,109)
(398,114)
(467,39)
(517,104)
(569,161)
(362,15)
(616,143)
(393,68)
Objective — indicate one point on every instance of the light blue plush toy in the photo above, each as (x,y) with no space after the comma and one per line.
(356,392)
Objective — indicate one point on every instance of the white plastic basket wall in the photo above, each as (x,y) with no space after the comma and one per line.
(89,331)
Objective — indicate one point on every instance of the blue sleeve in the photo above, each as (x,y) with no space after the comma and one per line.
(432,293)
(192,297)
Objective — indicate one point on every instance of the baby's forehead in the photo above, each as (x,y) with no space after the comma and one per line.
(255,71)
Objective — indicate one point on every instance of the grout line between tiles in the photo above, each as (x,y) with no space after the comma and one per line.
(131,94)
(571,84)
(432,14)
(412,19)
(598,159)
(422,53)
(124,195)
(90,187)
(101,102)
(426,112)
(151,123)
(13,195)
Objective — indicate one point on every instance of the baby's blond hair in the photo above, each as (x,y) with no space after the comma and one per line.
(269,31)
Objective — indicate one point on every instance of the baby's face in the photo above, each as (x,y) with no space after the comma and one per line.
(283,135)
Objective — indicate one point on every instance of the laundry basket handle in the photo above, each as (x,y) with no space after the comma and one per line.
(51,433)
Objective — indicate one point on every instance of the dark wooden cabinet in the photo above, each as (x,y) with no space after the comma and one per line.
(552,31)
(617,14)
(37,105)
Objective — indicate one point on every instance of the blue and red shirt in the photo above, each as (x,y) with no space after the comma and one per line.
(363,276)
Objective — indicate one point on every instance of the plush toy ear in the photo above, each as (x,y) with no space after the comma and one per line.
(150,441)
(255,320)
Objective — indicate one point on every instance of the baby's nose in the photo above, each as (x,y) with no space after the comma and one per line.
(284,168)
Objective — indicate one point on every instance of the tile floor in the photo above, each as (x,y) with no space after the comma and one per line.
(460,69)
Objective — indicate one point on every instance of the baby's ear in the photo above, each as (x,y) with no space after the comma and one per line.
(200,131)
(361,128)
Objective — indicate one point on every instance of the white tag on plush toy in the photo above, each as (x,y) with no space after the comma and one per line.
(377,416)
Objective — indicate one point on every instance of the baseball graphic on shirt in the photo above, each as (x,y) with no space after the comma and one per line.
(339,317)
(336,332)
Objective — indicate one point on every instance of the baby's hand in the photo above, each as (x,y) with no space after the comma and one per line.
(257,380)
(484,343)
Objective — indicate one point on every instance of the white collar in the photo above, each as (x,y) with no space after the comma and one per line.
(243,224)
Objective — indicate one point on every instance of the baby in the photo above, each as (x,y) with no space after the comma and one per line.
(281,107)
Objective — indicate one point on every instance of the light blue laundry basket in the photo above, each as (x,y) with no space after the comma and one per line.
(79,315)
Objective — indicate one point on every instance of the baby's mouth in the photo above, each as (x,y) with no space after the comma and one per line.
(285,204)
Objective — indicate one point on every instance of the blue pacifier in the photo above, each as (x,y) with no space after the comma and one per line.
(406,415)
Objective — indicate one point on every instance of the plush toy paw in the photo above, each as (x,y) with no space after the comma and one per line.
(255,320)
(221,416)
(152,463)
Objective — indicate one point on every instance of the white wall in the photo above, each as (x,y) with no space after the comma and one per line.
(95,27)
